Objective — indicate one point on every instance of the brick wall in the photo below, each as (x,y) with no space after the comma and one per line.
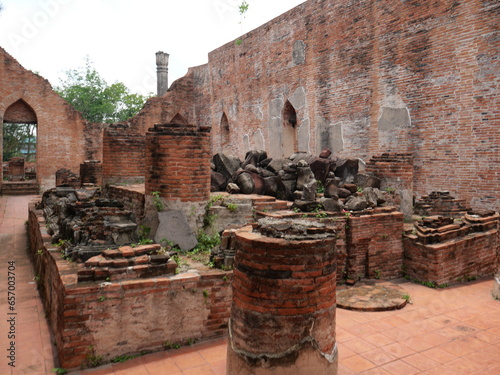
(132,196)
(364,78)
(123,155)
(125,317)
(178,162)
(374,245)
(60,128)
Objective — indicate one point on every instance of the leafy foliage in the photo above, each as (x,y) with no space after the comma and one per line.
(89,93)
(19,140)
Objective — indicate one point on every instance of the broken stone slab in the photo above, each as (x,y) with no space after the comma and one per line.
(271,185)
(356,203)
(275,165)
(331,205)
(245,182)
(347,169)
(226,164)
(233,188)
(343,193)
(325,153)
(374,196)
(309,190)
(218,182)
(254,157)
(322,167)
(307,206)
(173,226)
(364,181)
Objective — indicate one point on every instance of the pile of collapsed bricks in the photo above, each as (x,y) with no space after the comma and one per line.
(127,262)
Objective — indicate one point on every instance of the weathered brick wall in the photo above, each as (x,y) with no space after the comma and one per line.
(178,162)
(374,245)
(60,128)
(123,156)
(125,317)
(466,257)
(364,78)
(132,196)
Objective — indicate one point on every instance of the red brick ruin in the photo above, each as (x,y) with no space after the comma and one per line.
(392,106)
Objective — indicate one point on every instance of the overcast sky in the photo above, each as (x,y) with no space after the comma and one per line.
(122,36)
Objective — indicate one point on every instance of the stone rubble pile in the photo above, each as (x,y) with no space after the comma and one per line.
(299,178)
(85,223)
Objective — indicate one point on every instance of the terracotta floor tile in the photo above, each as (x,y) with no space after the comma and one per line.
(343,335)
(358,345)
(203,370)
(375,371)
(440,370)
(345,352)
(488,337)
(398,350)
(358,364)
(399,367)
(103,370)
(466,366)
(162,366)
(425,341)
(421,361)
(379,356)
(379,340)
(345,370)
(219,368)
(439,355)
(189,360)
(214,354)
(485,358)
(464,346)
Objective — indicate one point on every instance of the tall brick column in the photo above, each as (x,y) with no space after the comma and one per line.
(178,162)
(283,311)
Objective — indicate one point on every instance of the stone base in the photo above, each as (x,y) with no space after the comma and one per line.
(309,362)
(496,287)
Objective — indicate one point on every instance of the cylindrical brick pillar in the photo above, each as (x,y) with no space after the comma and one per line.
(178,162)
(283,312)
(91,172)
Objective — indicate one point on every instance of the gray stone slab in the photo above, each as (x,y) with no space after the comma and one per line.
(173,226)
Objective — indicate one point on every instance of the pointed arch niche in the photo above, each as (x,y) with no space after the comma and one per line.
(19,134)
(289,130)
(225,140)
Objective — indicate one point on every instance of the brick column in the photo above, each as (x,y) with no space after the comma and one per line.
(91,172)
(283,311)
(178,162)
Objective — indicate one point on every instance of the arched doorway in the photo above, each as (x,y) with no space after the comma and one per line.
(224,133)
(289,130)
(19,142)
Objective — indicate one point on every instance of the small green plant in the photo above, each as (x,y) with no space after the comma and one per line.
(296,210)
(60,370)
(384,236)
(123,358)
(36,278)
(305,216)
(39,252)
(169,345)
(359,189)
(407,297)
(390,189)
(205,294)
(92,359)
(232,207)
(102,299)
(470,278)
(157,202)
(190,341)
(321,215)
(320,188)
(377,274)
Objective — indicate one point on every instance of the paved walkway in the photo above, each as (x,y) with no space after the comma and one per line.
(444,331)
(34,353)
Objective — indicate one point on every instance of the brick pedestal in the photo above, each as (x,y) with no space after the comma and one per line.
(283,311)
(16,169)
(91,172)
(178,162)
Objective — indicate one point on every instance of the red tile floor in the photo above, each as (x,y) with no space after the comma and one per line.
(455,330)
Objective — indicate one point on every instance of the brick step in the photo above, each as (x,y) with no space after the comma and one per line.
(275,205)
(20,188)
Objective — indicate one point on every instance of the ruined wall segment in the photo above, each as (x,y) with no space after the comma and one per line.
(60,128)
(367,78)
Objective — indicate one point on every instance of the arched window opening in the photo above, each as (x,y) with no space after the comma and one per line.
(19,138)
(289,130)
(224,133)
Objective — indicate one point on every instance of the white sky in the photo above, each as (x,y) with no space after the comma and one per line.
(122,36)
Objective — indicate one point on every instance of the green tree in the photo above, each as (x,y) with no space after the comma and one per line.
(89,93)
(19,140)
